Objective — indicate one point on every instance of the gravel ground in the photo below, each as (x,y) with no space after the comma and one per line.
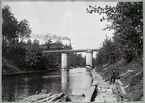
(104,93)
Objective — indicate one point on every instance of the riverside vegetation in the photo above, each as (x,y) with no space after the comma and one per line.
(124,51)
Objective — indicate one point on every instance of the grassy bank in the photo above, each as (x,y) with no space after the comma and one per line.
(9,68)
(131,75)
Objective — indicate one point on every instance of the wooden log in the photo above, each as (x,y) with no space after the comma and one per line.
(37,97)
(52,98)
(60,95)
(56,97)
(46,99)
(28,98)
(44,96)
(58,100)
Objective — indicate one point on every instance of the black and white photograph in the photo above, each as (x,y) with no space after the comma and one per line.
(72,51)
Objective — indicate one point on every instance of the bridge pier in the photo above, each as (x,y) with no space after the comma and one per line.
(64,72)
(64,80)
(64,61)
(89,56)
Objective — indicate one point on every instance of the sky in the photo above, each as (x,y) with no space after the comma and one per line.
(68,19)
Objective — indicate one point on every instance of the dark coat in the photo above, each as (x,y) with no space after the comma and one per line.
(115,75)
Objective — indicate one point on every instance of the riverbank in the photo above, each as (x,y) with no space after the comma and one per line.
(104,92)
(50,72)
(9,68)
(130,83)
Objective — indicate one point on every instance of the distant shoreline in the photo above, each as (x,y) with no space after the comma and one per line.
(50,72)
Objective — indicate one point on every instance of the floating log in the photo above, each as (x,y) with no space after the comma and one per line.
(61,97)
(46,99)
(56,97)
(37,97)
(28,98)
(58,100)
(44,96)
(53,98)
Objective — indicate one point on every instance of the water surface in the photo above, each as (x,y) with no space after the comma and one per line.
(74,81)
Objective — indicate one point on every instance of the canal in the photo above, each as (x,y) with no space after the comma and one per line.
(75,81)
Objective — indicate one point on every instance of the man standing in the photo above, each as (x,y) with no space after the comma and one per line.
(113,77)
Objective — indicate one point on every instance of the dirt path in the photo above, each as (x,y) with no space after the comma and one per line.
(105,93)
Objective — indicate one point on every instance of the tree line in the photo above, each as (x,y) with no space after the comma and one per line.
(28,55)
(126,20)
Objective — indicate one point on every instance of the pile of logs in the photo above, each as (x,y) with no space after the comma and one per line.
(50,97)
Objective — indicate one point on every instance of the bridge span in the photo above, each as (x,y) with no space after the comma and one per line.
(64,53)
(72,50)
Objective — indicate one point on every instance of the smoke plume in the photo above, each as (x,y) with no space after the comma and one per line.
(49,36)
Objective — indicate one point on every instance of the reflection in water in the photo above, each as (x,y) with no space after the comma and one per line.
(65,81)
(80,80)
(74,81)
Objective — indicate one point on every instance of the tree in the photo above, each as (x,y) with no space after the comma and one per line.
(127,21)
(106,53)
(33,54)
(9,25)
(24,30)
(12,29)
(29,42)
(36,42)
(76,60)
(48,43)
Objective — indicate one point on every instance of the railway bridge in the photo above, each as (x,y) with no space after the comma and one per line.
(89,55)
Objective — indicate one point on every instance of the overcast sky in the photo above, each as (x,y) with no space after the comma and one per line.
(63,19)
